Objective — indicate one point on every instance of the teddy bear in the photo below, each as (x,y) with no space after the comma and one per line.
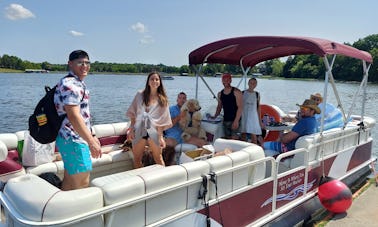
(191,123)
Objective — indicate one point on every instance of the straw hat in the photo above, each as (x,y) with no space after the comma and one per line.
(310,104)
(317,96)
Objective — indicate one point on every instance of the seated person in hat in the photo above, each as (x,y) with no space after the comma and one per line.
(333,117)
(305,126)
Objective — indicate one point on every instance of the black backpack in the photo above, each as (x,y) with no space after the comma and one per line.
(44,123)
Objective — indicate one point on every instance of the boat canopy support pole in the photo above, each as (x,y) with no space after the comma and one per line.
(198,74)
(334,85)
(245,71)
(365,78)
(327,75)
(244,77)
(362,87)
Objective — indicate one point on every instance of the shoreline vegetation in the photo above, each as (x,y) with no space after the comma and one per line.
(293,67)
(269,77)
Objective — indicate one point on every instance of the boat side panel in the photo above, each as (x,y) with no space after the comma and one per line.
(360,155)
(242,208)
(254,204)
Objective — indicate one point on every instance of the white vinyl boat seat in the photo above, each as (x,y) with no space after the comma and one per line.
(194,171)
(255,153)
(242,152)
(37,200)
(126,185)
(113,158)
(9,156)
(111,135)
(336,139)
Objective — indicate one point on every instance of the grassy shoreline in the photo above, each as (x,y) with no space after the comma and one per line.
(4,70)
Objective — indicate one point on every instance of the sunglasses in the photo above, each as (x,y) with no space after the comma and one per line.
(83,63)
(316,99)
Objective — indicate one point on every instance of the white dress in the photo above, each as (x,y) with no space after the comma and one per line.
(250,122)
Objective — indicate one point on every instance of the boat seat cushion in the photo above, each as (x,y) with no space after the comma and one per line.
(172,201)
(103,130)
(309,142)
(47,202)
(44,168)
(224,181)
(256,172)
(10,140)
(195,170)
(240,177)
(120,128)
(111,133)
(234,145)
(3,151)
(124,185)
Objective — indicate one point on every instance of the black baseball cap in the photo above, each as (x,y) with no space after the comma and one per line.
(78,54)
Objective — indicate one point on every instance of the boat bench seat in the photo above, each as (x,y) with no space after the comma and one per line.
(109,163)
(336,139)
(9,156)
(111,134)
(150,182)
(113,158)
(133,183)
(242,152)
(37,200)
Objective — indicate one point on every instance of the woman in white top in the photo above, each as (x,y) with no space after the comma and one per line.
(250,121)
(149,117)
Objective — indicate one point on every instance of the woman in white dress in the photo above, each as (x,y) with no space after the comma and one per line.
(250,121)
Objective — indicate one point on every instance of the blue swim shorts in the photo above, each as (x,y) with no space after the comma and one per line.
(76,156)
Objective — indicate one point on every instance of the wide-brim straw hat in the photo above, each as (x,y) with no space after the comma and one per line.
(310,104)
(317,96)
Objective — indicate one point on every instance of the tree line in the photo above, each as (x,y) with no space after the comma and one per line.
(300,66)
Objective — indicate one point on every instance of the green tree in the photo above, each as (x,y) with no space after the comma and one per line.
(277,67)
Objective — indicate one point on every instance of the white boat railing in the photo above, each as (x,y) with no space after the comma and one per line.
(324,146)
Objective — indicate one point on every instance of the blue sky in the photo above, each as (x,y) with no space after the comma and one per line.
(165,31)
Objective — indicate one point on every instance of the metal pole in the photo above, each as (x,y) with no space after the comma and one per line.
(365,76)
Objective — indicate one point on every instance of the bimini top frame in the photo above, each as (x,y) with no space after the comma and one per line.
(251,50)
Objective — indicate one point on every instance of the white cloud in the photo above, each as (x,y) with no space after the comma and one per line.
(147,39)
(75,33)
(139,27)
(17,12)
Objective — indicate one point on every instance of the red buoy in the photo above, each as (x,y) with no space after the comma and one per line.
(334,195)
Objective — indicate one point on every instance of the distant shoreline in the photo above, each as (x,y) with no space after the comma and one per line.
(3,70)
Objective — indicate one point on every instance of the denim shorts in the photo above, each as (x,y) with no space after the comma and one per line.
(76,156)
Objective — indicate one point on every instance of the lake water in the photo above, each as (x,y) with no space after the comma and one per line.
(112,94)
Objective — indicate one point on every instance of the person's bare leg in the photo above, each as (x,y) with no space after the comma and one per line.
(138,151)
(157,152)
(244,136)
(196,141)
(254,138)
(170,142)
(75,181)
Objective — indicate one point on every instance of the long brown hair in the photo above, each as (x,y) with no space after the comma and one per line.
(162,97)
